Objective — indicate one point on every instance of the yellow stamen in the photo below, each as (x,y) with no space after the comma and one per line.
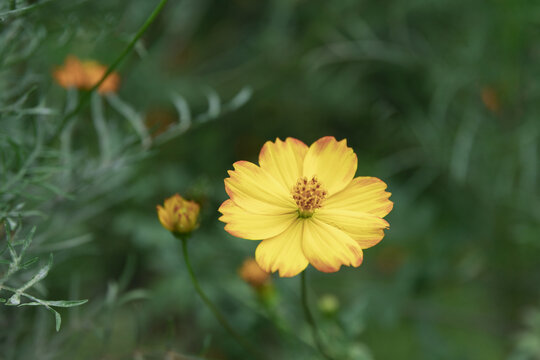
(308,195)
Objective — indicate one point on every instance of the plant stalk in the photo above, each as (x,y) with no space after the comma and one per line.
(219,316)
(310,319)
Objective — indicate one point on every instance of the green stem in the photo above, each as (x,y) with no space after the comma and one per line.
(12,4)
(310,319)
(101,129)
(86,97)
(20,11)
(241,340)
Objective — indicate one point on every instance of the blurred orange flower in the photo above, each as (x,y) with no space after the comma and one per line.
(84,75)
(490,98)
(71,75)
(390,259)
(95,71)
(252,273)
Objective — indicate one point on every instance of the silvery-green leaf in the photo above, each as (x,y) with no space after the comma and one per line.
(66,303)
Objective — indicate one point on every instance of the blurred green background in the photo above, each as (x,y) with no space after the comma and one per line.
(438,99)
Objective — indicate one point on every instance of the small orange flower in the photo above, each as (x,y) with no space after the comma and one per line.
(84,75)
(490,98)
(252,273)
(71,75)
(178,215)
(95,71)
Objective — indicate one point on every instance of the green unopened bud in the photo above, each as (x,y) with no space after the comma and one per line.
(328,304)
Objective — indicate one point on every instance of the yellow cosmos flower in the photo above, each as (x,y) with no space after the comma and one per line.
(84,75)
(306,206)
(178,215)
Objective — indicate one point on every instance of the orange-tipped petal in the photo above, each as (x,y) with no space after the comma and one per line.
(327,248)
(363,194)
(283,252)
(364,228)
(164,218)
(332,162)
(284,160)
(254,190)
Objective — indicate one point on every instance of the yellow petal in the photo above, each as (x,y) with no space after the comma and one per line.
(327,247)
(283,252)
(365,228)
(363,194)
(171,202)
(246,225)
(332,162)
(284,160)
(254,190)
(164,218)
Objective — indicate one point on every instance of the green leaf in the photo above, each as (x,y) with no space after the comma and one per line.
(214,104)
(66,244)
(27,263)
(137,294)
(28,240)
(33,303)
(67,303)
(40,275)
(182,107)
(56,303)
(57,319)
(7,230)
(37,302)
(12,253)
(240,99)
(14,300)
(3,251)
(56,190)
(127,273)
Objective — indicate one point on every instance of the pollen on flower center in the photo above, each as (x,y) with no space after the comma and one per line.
(308,195)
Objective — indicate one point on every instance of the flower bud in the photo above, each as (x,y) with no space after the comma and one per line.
(328,304)
(95,71)
(178,215)
(84,75)
(251,273)
(71,74)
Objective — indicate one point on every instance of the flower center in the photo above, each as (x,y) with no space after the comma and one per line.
(309,195)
